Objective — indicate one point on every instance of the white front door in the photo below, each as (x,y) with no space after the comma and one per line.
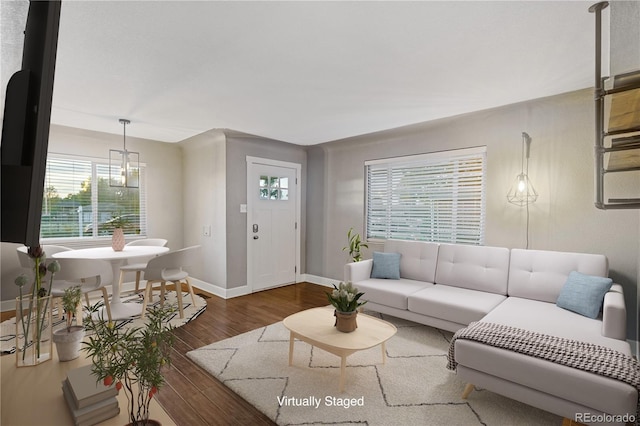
(272,216)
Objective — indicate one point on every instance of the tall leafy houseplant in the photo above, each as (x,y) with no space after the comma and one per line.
(355,245)
(131,358)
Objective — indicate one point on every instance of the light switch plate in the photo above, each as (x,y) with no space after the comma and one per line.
(243,208)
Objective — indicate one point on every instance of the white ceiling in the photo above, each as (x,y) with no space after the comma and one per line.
(310,72)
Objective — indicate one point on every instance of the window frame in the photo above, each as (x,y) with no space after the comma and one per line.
(93,240)
(396,166)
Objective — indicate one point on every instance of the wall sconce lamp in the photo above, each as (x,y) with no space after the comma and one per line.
(124,166)
(522,192)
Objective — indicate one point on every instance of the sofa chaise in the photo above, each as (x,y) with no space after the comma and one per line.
(450,286)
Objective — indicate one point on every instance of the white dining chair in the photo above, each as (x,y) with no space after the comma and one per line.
(140,263)
(89,274)
(170,267)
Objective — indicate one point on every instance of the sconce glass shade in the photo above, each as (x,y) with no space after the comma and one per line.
(124,168)
(522,191)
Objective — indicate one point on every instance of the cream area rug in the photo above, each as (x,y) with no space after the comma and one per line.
(412,388)
(191,312)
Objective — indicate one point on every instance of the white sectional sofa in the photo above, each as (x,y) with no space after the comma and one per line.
(450,286)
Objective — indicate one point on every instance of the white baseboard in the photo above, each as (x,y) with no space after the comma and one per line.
(228,293)
(225,293)
(8,305)
(314,279)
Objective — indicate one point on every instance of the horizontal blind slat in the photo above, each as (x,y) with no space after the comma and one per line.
(73,203)
(439,199)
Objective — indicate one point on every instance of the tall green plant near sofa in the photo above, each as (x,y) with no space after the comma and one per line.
(355,245)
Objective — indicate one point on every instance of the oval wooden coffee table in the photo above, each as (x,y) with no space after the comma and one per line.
(315,326)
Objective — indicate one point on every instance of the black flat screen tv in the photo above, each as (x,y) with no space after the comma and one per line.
(25,126)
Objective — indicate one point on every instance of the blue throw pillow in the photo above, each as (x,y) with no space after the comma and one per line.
(584,294)
(386,265)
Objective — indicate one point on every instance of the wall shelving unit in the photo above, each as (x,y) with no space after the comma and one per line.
(617,110)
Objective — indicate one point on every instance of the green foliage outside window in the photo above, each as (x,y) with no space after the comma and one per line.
(68,204)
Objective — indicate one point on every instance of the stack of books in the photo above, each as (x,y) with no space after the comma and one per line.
(89,402)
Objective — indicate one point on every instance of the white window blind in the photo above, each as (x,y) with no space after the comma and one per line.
(79,203)
(437,197)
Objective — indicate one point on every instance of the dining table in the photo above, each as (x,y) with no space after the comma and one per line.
(119,309)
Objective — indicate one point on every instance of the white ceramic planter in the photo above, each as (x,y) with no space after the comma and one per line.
(68,343)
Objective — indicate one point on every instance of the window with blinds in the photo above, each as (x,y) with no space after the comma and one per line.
(79,203)
(437,197)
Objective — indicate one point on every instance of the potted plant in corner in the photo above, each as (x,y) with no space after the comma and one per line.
(355,245)
(131,358)
(344,298)
(69,339)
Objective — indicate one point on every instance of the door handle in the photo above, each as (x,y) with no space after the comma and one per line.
(255,228)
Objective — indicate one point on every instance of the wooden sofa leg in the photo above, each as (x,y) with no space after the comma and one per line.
(467,390)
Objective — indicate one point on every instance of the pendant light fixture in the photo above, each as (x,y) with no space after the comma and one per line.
(124,166)
(522,192)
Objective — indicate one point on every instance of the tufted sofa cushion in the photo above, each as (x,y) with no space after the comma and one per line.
(540,274)
(418,258)
(393,293)
(479,268)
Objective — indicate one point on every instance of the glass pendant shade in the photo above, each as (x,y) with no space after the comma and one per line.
(124,165)
(124,168)
(522,191)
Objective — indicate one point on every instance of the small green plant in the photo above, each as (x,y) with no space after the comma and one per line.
(131,358)
(117,222)
(355,245)
(345,297)
(70,302)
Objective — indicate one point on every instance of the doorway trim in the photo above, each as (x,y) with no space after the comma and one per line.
(298,212)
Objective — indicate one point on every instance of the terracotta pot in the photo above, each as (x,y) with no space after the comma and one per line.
(346,321)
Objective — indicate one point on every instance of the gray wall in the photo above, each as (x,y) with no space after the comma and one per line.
(239,146)
(316,209)
(204,193)
(561,169)
(164,187)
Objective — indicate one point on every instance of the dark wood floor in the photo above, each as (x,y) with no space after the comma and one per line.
(193,397)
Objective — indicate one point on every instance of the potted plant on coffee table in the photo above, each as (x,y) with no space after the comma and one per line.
(132,358)
(345,298)
(68,339)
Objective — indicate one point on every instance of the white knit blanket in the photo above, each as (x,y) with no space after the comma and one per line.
(571,353)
